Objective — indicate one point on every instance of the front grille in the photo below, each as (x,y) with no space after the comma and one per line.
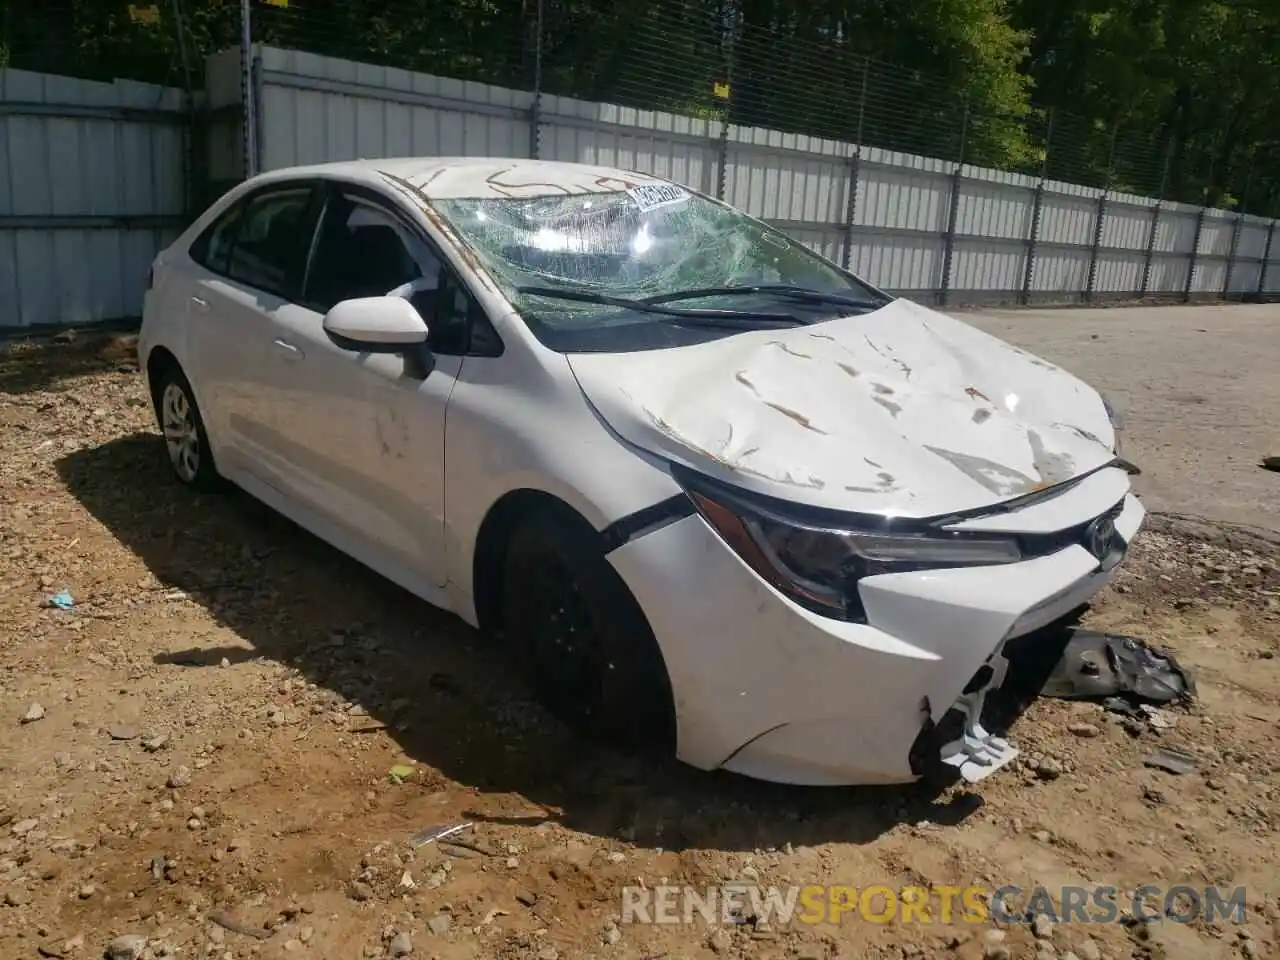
(1043,544)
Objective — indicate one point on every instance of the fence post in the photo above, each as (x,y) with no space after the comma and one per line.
(1195,254)
(259,126)
(1266,260)
(855,172)
(1155,223)
(1037,211)
(249,131)
(1151,250)
(949,244)
(535,108)
(1100,223)
(1231,255)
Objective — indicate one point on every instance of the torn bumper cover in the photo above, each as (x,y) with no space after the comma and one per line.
(775,691)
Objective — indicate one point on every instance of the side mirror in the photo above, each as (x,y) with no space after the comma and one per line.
(376,325)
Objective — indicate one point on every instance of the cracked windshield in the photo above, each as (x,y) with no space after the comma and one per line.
(655,243)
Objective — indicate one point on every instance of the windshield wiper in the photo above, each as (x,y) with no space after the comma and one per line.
(703,317)
(781,289)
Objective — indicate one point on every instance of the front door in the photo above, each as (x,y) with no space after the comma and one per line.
(364,433)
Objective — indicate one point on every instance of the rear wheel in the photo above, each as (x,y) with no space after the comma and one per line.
(185,438)
(587,645)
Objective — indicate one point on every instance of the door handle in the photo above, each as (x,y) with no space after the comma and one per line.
(200,303)
(290,351)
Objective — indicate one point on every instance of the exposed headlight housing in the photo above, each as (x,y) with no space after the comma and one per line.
(1116,418)
(818,561)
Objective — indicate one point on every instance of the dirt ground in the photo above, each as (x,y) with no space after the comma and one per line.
(198,753)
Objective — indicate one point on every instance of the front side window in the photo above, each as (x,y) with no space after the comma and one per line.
(656,243)
(271,246)
(365,252)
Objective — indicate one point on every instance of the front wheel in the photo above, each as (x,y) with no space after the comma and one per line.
(588,647)
(185,438)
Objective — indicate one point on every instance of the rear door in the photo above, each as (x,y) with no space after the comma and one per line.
(249,272)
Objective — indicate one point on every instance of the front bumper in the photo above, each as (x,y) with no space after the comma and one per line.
(770,690)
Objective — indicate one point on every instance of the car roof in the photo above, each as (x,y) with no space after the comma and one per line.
(446,178)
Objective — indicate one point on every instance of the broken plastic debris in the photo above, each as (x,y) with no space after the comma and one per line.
(1160,719)
(62,600)
(400,773)
(1106,666)
(1174,761)
(1122,706)
(432,834)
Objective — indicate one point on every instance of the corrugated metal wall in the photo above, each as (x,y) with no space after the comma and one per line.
(91,187)
(910,224)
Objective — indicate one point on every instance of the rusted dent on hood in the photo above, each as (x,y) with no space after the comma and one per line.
(1052,467)
(906,370)
(799,418)
(893,408)
(736,466)
(1036,361)
(1081,432)
(658,422)
(996,477)
(981,415)
(786,349)
(887,484)
(973,393)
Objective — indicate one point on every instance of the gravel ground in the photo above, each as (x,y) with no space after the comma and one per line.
(202,756)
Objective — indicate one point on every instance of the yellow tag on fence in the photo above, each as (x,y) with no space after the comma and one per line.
(148,15)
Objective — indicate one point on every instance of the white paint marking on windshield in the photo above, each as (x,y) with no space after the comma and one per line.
(650,196)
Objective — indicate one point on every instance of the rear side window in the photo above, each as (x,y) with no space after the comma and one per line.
(273,240)
(212,249)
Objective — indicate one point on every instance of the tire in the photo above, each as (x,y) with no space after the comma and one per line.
(610,681)
(185,437)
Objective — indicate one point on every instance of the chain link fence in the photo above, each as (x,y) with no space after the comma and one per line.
(701,59)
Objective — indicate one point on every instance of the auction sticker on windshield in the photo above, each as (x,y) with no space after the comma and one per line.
(650,196)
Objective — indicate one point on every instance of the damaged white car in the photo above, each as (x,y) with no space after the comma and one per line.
(718,493)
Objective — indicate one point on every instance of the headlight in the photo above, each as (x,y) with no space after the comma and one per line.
(819,564)
(1116,418)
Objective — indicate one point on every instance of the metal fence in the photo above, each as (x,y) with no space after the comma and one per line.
(97,177)
(941,231)
(92,185)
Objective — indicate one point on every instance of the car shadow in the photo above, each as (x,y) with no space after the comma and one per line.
(450,698)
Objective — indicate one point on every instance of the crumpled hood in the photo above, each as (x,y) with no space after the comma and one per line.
(904,411)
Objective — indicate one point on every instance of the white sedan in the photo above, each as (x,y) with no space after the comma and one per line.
(721,496)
